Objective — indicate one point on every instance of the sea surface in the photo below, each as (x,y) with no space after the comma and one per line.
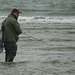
(47,44)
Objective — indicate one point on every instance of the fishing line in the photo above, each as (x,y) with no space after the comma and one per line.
(38,39)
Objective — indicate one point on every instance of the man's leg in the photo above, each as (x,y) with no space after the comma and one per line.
(11,56)
(6,56)
(11,49)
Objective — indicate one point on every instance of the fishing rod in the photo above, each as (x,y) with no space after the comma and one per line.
(38,39)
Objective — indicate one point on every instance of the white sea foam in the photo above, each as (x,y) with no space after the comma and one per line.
(43,19)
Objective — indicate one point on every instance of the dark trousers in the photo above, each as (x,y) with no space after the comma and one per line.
(10,50)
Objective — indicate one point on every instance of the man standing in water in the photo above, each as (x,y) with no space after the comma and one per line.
(11,30)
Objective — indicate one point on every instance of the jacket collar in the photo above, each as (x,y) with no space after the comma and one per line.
(14,16)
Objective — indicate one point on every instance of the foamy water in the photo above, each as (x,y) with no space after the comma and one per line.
(44,19)
(51,19)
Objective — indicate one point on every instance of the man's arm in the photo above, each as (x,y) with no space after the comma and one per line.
(17,28)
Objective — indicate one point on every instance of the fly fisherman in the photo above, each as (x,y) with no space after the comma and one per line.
(11,30)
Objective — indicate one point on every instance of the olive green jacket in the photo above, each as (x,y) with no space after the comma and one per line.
(11,29)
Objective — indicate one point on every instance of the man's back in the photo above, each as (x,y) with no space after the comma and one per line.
(11,29)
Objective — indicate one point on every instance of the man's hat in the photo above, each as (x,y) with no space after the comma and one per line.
(15,10)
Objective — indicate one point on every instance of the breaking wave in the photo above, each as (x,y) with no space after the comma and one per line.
(44,19)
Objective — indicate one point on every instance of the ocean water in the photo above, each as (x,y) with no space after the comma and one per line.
(47,44)
(39,7)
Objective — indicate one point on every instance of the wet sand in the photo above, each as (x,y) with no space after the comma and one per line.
(43,51)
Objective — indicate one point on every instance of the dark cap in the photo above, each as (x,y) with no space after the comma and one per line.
(15,10)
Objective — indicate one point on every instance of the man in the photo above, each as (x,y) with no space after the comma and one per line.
(11,30)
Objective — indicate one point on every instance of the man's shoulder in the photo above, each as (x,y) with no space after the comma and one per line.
(11,18)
